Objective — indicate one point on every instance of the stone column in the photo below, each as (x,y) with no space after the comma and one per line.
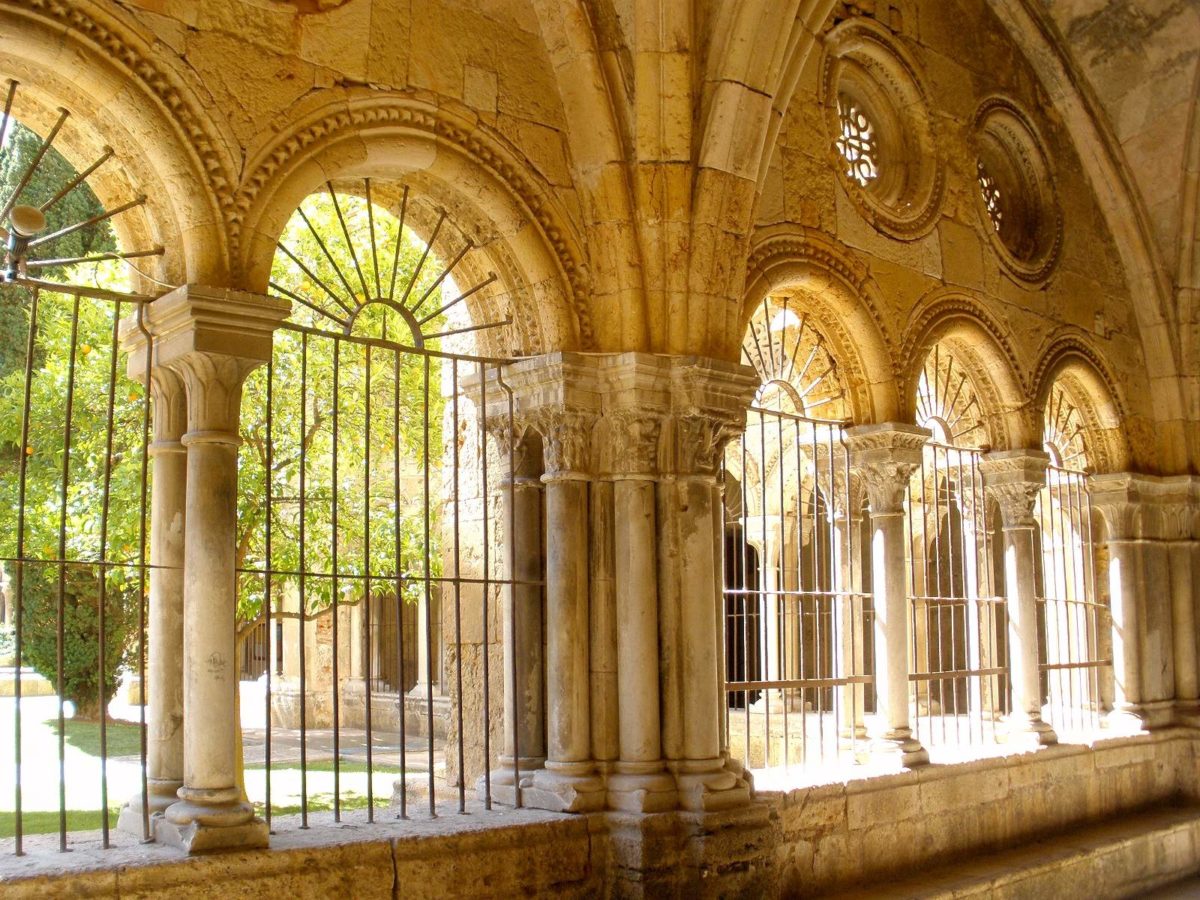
(885,456)
(708,403)
(568,782)
(524,662)
(1139,589)
(163,692)
(212,339)
(639,782)
(1015,478)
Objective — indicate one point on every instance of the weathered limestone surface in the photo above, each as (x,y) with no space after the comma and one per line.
(807,842)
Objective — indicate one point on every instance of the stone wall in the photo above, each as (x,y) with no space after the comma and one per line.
(806,842)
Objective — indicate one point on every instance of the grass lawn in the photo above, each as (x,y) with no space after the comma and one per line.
(42,822)
(124,738)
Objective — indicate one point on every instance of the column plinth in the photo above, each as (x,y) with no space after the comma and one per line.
(885,456)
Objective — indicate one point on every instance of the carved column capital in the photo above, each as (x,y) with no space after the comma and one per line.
(1145,507)
(212,339)
(633,442)
(566,442)
(1015,478)
(885,456)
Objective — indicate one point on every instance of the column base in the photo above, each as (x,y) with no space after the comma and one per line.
(642,792)
(901,746)
(565,787)
(1138,717)
(1026,730)
(705,785)
(1187,713)
(199,827)
(504,790)
(159,795)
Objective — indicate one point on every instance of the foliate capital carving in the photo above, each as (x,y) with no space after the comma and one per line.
(633,442)
(214,393)
(1015,478)
(169,406)
(515,443)
(885,457)
(566,441)
(1016,501)
(699,442)
(211,338)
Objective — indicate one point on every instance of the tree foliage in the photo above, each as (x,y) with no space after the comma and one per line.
(70,465)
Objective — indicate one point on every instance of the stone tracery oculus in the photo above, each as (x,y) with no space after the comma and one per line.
(856,143)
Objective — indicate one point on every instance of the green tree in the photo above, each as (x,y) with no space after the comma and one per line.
(376,449)
(70,465)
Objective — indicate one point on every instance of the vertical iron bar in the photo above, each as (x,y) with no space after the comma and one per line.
(268,477)
(487,586)
(334,584)
(428,574)
(60,616)
(22,484)
(401,688)
(367,563)
(302,604)
(105,499)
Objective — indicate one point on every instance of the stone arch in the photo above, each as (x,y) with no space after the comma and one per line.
(446,154)
(98,66)
(985,349)
(1074,362)
(1106,169)
(846,310)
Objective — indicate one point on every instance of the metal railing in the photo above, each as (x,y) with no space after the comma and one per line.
(959,661)
(1074,631)
(376,506)
(74,434)
(368,494)
(798,662)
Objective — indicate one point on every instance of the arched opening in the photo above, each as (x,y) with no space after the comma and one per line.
(958,649)
(374,513)
(1073,621)
(798,662)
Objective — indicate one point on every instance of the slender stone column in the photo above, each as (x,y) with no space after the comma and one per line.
(524,700)
(1139,597)
(568,782)
(163,693)
(1015,478)
(885,456)
(212,339)
(639,783)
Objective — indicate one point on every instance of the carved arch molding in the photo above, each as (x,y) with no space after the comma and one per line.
(124,47)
